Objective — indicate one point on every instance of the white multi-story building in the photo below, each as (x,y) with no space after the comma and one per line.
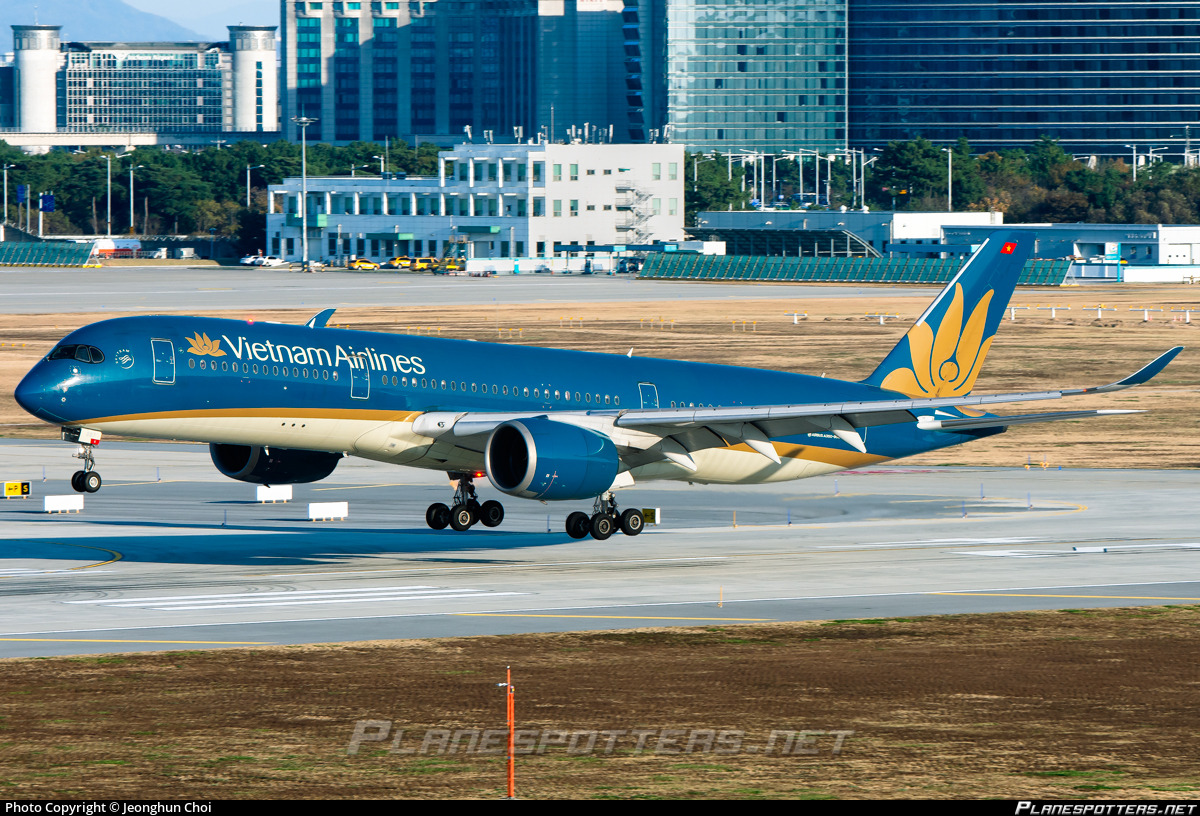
(495,201)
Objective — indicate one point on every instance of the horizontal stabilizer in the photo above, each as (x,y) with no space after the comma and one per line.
(927,423)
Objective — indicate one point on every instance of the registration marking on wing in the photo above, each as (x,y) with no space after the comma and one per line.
(258,600)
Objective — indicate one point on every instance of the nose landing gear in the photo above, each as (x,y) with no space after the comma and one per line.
(86,480)
(605,520)
(466,509)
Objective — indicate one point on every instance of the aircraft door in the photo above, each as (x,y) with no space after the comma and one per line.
(164,361)
(649,395)
(360,378)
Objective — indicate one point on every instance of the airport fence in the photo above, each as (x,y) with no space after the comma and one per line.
(830,270)
(44,253)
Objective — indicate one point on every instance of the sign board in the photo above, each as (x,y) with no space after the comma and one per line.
(14,489)
(652,515)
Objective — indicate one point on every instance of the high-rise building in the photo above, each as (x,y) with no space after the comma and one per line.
(432,69)
(1096,76)
(132,87)
(761,75)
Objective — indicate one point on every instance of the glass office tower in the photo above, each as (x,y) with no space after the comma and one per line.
(1096,76)
(762,75)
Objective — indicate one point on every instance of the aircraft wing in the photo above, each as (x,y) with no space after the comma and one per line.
(645,435)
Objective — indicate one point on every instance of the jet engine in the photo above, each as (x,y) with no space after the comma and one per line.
(547,460)
(274,466)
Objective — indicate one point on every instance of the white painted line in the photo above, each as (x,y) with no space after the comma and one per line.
(236,595)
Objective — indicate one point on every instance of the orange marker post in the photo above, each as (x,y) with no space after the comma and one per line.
(512,735)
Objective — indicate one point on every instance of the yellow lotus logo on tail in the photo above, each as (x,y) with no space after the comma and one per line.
(945,364)
(201,345)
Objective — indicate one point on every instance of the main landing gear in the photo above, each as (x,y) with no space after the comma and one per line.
(86,480)
(605,520)
(466,509)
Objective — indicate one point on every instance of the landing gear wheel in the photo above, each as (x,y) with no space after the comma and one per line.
(632,522)
(491,513)
(91,481)
(77,481)
(462,517)
(578,525)
(603,526)
(437,516)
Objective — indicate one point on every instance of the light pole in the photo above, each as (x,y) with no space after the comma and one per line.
(382,163)
(108,179)
(303,122)
(949,178)
(1134,149)
(355,167)
(132,228)
(7,167)
(248,169)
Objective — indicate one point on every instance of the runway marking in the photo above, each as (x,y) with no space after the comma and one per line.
(364,487)
(187,642)
(597,617)
(937,542)
(1038,595)
(258,600)
(508,566)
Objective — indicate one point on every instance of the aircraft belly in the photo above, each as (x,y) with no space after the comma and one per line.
(741,465)
(300,433)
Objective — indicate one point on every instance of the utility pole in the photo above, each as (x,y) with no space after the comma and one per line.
(304,122)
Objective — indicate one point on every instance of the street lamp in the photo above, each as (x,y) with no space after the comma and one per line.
(248,169)
(303,122)
(355,167)
(382,164)
(949,178)
(132,228)
(7,167)
(1134,149)
(108,179)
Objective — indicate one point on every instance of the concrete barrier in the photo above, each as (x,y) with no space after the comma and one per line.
(64,504)
(274,493)
(325,511)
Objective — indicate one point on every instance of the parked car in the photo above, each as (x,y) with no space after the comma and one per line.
(397,263)
(272,260)
(424,263)
(363,263)
(251,260)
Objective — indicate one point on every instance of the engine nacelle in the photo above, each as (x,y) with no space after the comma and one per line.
(547,460)
(274,466)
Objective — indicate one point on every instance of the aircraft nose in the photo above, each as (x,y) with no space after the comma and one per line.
(33,394)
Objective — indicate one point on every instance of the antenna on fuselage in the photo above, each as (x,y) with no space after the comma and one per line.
(319,320)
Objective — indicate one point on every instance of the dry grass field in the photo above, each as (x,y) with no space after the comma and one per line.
(1054,705)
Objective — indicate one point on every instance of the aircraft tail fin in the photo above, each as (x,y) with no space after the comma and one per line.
(942,353)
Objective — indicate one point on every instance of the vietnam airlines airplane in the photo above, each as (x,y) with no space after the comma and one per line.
(281,404)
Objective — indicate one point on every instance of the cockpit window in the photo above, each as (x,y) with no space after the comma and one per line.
(80,353)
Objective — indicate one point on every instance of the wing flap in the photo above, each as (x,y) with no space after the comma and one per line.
(932,424)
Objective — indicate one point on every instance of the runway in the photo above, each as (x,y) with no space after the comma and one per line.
(172,289)
(171,555)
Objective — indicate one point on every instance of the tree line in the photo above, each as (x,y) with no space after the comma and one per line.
(1041,183)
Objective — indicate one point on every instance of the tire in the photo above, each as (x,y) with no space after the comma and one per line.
(461,517)
(491,513)
(77,481)
(437,516)
(632,522)
(578,525)
(91,481)
(603,526)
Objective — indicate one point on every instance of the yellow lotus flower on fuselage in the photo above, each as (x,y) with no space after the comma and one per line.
(201,345)
(945,364)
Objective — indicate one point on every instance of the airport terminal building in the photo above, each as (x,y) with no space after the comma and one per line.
(55,93)
(489,201)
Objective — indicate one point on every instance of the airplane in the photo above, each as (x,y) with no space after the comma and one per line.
(282,404)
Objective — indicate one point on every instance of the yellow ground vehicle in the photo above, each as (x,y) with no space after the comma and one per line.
(363,263)
(424,263)
(402,262)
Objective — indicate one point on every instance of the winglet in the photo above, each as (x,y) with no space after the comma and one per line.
(1142,375)
(319,320)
